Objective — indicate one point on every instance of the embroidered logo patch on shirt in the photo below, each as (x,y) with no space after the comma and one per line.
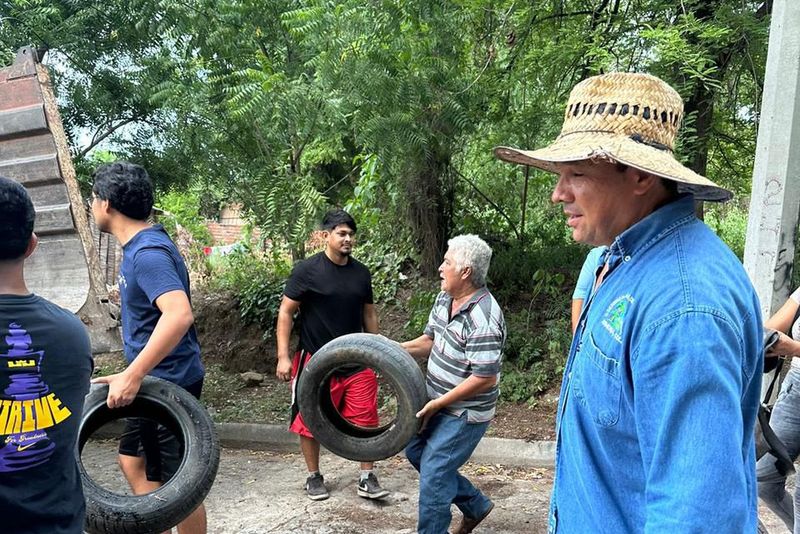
(614,318)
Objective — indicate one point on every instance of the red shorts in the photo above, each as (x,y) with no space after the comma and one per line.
(355,396)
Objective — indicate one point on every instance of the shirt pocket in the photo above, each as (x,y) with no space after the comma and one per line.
(596,382)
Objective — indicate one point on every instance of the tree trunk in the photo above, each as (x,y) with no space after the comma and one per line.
(431,197)
(699,110)
(701,107)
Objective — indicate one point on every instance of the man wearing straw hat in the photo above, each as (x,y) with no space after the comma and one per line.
(661,388)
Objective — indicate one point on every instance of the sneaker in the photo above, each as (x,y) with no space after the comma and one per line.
(468,524)
(315,488)
(369,488)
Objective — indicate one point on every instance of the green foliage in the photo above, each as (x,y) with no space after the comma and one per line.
(383,246)
(534,360)
(257,283)
(538,339)
(419,307)
(182,208)
(519,269)
(392,110)
(385,261)
(729,221)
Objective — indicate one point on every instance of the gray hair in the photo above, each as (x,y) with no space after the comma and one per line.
(471,251)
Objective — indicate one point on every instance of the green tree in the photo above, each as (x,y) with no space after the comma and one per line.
(277,105)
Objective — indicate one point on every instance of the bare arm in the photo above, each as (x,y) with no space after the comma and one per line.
(176,319)
(577,305)
(289,307)
(370,319)
(419,348)
(473,385)
(781,322)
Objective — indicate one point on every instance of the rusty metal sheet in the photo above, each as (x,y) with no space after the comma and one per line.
(58,270)
(34,152)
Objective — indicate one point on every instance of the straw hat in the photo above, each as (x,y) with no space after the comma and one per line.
(627,117)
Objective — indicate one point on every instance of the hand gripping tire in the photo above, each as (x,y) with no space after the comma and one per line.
(335,433)
(181,413)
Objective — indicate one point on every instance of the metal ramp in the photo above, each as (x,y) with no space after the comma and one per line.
(34,152)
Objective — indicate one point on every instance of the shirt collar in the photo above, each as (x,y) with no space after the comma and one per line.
(473,300)
(651,229)
(144,232)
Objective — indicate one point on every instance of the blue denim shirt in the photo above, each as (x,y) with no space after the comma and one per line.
(661,389)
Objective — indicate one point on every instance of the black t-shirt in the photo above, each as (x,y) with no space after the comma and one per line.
(331,297)
(45,368)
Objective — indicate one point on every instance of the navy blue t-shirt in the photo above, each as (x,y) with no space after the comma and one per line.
(152,266)
(45,368)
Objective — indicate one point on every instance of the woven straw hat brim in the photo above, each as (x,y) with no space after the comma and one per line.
(604,146)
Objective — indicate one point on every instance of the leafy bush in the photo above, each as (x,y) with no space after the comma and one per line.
(534,361)
(384,247)
(385,261)
(184,208)
(514,266)
(419,308)
(729,222)
(538,339)
(257,282)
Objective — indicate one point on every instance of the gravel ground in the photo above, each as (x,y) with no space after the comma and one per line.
(258,492)
(262,492)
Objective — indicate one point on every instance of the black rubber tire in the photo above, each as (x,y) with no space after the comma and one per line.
(395,365)
(178,410)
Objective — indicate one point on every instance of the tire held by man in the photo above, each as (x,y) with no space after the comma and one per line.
(175,408)
(335,433)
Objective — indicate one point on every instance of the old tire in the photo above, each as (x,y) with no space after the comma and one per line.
(180,412)
(335,433)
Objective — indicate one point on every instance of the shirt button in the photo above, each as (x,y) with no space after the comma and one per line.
(626,258)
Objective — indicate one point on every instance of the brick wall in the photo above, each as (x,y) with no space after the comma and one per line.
(224,234)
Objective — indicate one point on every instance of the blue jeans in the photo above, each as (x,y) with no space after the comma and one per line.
(437,453)
(785,421)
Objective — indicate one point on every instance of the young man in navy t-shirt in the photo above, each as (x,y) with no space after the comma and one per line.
(45,367)
(157,324)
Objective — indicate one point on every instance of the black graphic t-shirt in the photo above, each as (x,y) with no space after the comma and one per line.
(331,297)
(45,368)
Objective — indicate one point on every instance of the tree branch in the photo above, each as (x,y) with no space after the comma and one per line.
(489,200)
(534,21)
(98,137)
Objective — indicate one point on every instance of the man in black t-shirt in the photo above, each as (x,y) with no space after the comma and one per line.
(333,293)
(45,367)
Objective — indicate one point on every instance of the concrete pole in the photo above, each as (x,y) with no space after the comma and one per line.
(775,201)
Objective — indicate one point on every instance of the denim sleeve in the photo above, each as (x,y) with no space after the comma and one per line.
(586,277)
(688,381)
(156,273)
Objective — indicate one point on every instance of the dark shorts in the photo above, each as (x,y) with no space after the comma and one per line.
(160,448)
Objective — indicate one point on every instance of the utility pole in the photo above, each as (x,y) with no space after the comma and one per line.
(775,201)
